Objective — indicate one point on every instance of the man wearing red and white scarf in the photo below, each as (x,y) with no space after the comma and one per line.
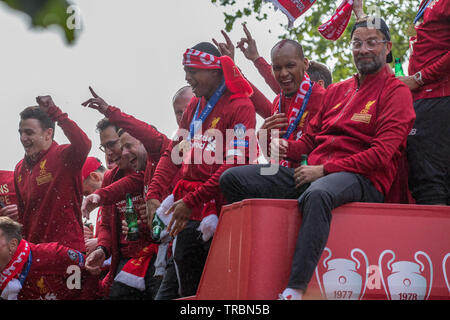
(46,271)
(294,105)
(213,78)
(299,100)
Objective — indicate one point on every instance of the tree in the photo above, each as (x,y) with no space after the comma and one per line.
(398,14)
(44,13)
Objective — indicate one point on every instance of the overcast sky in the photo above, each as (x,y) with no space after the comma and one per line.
(129,51)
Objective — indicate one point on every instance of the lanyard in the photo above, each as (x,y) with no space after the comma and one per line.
(25,271)
(421,11)
(198,121)
(294,124)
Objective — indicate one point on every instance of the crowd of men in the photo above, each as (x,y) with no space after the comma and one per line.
(371,138)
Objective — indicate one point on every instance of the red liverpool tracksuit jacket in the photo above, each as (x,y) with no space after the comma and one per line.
(49,190)
(263,106)
(53,272)
(431,51)
(110,227)
(200,169)
(116,185)
(360,128)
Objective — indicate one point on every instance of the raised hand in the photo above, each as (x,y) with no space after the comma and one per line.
(96,102)
(227,48)
(250,51)
(358,9)
(45,102)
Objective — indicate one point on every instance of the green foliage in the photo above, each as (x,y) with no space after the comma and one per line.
(398,14)
(44,13)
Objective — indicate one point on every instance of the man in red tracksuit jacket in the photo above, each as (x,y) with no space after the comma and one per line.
(109,229)
(135,184)
(289,65)
(354,144)
(48,180)
(215,79)
(46,271)
(289,76)
(429,81)
(147,145)
(110,145)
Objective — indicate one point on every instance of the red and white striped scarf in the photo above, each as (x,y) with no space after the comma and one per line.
(293,111)
(133,272)
(9,275)
(234,80)
(333,28)
(292,8)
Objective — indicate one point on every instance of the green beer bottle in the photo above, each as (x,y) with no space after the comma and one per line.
(304,162)
(131,217)
(157,227)
(398,68)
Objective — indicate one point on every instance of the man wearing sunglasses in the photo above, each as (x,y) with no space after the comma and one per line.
(353,144)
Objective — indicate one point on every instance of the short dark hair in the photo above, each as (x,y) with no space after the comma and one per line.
(318,71)
(11,229)
(105,123)
(280,44)
(207,47)
(34,112)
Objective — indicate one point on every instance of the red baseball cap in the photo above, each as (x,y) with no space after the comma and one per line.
(90,165)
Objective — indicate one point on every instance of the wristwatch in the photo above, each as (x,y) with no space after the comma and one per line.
(418,77)
(104,250)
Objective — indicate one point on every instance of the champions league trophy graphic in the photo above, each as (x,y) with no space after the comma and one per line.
(406,280)
(444,270)
(343,279)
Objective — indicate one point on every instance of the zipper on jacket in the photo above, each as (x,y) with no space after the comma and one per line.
(340,115)
(346,105)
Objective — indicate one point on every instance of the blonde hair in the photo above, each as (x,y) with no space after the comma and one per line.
(11,229)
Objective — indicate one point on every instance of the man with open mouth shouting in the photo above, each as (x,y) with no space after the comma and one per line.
(221,104)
